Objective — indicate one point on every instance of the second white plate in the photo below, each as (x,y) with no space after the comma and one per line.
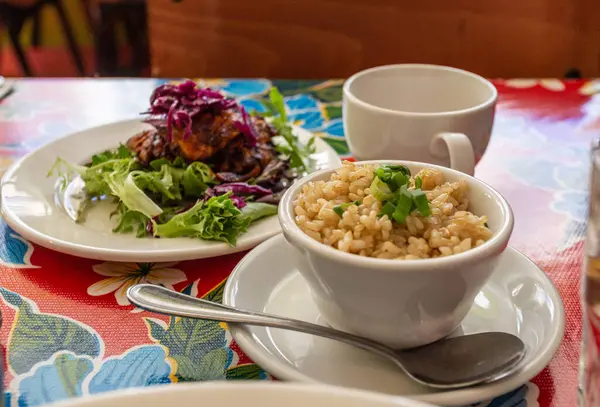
(28,205)
(518,299)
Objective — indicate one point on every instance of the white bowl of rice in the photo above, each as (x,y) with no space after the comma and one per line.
(395,250)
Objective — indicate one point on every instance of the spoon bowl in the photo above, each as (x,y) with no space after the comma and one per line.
(446,364)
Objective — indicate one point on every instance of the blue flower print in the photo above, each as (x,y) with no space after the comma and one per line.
(565,175)
(299,103)
(573,203)
(537,173)
(59,378)
(244,87)
(310,120)
(67,375)
(253,105)
(145,365)
(572,177)
(335,128)
(15,251)
(524,396)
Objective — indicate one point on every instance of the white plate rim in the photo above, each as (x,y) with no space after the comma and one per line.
(283,371)
(170,391)
(123,255)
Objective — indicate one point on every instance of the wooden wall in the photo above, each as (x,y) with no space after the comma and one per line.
(335,38)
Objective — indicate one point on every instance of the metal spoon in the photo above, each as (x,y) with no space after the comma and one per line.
(447,364)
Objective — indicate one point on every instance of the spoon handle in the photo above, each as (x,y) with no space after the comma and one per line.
(164,301)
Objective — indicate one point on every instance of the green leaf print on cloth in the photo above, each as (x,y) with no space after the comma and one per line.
(36,336)
(200,348)
(246,372)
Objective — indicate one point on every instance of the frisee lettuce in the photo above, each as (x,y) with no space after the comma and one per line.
(123,185)
(166,199)
(130,221)
(119,175)
(215,219)
(179,221)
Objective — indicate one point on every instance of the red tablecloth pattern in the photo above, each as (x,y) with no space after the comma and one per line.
(68,329)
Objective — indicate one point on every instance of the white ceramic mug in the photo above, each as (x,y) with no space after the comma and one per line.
(426,113)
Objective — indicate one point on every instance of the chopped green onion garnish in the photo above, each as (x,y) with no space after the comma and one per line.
(390,186)
(339,210)
(418,183)
(486,225)
(421,202)
(399,179)
(380,190)
(404,205)
(388,209)
(386,173)
(400,168)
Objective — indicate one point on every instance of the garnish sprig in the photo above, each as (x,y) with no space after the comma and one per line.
(391,186)
(287,143)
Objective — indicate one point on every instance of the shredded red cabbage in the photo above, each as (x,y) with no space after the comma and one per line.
(246,128)
(238,201)
(179,104)
(241,188)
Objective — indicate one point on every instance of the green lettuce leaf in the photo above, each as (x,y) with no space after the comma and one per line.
(165,183)
(215,219)
(130,221)
(96,176)
(258,210)
(196,178)
(116,173)
(108,155)
(123,186)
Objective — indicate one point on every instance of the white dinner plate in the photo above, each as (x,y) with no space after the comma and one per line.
(247,394)
(518,299)
(29,207)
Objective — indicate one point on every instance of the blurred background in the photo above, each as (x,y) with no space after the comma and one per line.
(296,38)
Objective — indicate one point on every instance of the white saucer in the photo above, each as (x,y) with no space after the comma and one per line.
(29,207)
(518,299)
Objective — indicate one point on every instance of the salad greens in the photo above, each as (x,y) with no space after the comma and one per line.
(175,198)
(166,199)
(259,210)
(287,143)
(391,186)
(215,219)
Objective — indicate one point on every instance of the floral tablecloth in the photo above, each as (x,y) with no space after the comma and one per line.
(69,330)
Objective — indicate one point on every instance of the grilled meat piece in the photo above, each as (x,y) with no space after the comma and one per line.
(210,134)
(215,139)
(149,145)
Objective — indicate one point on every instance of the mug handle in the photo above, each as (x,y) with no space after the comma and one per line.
(458,147)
